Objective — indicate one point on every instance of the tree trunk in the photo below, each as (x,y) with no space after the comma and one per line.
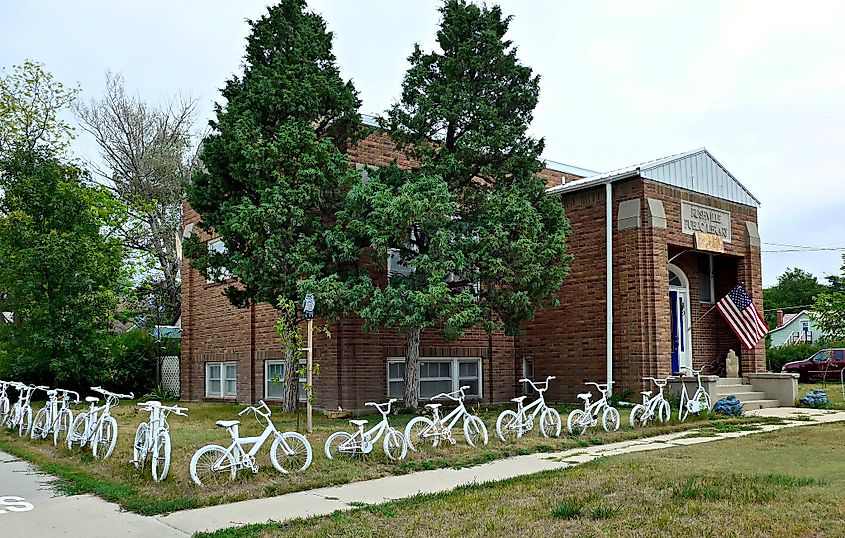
(291,381)
(412,367)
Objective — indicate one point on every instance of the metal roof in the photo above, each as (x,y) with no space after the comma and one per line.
(696,170)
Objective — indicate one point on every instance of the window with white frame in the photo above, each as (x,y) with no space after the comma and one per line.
(221,380)
(221,274)
(274,381)
(437,375)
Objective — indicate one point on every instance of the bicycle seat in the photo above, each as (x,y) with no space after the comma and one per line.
(227,423)
(646,393)
(585,395)
(518,399)
(92,399)
(433,406)
(359,422)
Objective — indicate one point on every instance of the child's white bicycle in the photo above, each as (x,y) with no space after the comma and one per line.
(153,437)
(96,426)
(20,417)
(436,429)
(512,425)
(55,417)
(361,442)
(215,464)
(699,402)
(5,404)
(580,419)
(652,407)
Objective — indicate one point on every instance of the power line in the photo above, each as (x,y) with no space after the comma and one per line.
(831,249)
(787,308)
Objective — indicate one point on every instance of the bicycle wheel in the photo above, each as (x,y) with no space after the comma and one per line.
(550,423)
(139,448)
(508,426)
(4,409)
(104,440)
(76,433)
(291,451)
(160,463)
(395,445)
(39,425)
(637,414)
(62,426)
(475,432)
(14,415)
(415,431)
(683,409)
(610,419)
(25,423)
(576,422)
(339,443)
(212,465)
(705,401)
(664,412)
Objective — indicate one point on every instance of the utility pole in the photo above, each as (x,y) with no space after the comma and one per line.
(308,309)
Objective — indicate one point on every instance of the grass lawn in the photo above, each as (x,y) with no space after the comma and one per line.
(117,480)
(833,389)
(783,483)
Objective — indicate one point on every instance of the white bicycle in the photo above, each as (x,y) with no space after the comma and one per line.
(361,442)
(512,425)
(699,402)
(580,419)
(436,429)
(55,417)
(20,417)
(5,404)
(96,426)
(153,437)
(652,407)
(214,464)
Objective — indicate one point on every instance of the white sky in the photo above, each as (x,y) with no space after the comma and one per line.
(760,84)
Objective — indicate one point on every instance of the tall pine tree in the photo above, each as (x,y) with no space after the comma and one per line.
(481,241)
(275,174)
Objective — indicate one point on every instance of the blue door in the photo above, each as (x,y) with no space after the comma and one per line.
(676,332)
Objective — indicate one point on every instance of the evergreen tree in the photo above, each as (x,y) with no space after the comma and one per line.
(275,174)
(481,242)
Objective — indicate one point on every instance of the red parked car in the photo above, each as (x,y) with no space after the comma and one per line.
(826,364)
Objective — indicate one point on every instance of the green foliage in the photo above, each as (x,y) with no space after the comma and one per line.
(161,394)
(131,365)
(776,357)
(568,509)
(483,244)
(795,290)
(274,174)
(829,314)
(59,275)
(30,102)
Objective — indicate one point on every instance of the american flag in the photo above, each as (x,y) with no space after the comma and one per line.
(743,317)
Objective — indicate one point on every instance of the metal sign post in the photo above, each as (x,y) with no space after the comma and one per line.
(308,309)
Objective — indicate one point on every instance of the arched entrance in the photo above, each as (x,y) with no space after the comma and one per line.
(679,308)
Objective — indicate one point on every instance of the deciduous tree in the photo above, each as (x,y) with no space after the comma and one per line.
(795,291)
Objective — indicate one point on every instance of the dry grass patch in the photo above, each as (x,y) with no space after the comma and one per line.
(781,483)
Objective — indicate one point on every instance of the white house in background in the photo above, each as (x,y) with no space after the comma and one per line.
(795,329)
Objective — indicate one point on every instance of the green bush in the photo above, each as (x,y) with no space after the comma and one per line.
(776,357)
(131,365)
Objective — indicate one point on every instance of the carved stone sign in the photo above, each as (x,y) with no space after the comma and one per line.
(700,218)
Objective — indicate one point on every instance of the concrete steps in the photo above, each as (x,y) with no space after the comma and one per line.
(751,399)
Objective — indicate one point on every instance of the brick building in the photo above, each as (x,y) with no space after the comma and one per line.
(682,232)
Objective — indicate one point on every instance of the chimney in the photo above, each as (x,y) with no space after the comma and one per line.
(780,318)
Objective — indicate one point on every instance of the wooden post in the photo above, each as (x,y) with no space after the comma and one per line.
(309,377)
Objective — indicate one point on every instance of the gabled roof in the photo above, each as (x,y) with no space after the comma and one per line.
(696,170)
(789,320)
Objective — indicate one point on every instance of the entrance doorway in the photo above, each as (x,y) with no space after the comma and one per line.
(679,309)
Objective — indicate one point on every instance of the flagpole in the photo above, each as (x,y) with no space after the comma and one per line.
(702,317)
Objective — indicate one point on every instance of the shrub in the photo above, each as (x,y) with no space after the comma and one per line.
(776,357)
(131,365)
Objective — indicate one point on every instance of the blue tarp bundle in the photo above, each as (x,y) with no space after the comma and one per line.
(728,406)
(815,398)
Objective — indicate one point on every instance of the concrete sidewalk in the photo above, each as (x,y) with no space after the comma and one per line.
(326,500)
(53,514)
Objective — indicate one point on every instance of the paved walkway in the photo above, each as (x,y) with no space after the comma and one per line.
(85,515)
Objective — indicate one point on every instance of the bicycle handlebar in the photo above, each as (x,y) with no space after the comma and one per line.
(115,395)
(455,395)
(534,385)
(378,406)
(257,411)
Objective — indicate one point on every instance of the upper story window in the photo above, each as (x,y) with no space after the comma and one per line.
(706,279)
(221,274)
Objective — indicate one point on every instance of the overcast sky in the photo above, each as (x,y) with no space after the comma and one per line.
(760,84)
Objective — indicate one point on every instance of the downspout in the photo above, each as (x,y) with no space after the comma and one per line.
(609,291)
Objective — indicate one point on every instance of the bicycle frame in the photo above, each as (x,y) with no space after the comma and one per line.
(593,409)
(244,458)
